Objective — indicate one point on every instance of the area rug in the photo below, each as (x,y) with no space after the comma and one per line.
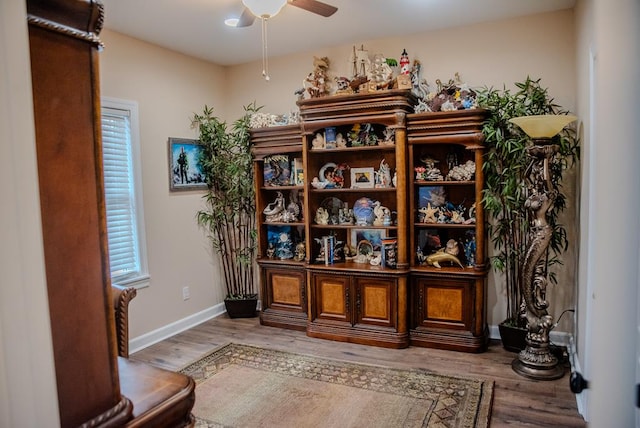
(246,386)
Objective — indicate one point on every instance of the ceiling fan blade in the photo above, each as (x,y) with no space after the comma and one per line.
(315,6)
(246,19)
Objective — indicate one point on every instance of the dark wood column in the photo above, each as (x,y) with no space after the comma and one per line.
(64,66)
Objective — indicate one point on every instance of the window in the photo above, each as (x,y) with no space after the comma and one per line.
(123,192)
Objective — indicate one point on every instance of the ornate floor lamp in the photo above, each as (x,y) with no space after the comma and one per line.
(536,361)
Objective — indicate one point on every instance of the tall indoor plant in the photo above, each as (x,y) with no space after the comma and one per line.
(229,214)
(505,190)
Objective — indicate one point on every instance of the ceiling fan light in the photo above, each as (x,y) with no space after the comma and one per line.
(231,22)
(264,8)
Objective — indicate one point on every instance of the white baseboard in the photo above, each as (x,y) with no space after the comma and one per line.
(557,337)
(148,339)
(155,336)
(581,399)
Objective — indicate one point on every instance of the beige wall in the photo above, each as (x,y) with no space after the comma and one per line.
(609,303)
(169,87)
(491,54)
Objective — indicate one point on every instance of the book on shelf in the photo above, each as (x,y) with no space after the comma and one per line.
(388,252)
(277,170)
(297,176)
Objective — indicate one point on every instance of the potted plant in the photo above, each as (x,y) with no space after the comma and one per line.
(229,214)
(505,192)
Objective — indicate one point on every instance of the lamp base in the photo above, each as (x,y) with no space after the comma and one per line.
(538,363)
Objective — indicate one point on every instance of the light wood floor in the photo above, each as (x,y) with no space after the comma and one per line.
(517,402)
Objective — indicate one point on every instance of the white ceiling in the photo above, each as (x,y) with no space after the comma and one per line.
(196,27)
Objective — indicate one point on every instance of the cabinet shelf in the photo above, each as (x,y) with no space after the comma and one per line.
(287,262)
(380,148)
(358,190)
(351,226)
(448,270)
(444,183)
(282,223)
(444,226)
(273,188)
(350,266)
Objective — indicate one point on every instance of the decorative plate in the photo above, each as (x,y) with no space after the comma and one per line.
(363,212)
(333,206)
(326,170)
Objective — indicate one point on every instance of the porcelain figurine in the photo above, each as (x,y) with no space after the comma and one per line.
(470,249)
(441,256)
(383,175)
(271,250)
(322,216)
(318,141)
(431,173)
(274,211)
(292,212)
(452,247)
(316,183)
(375,260)
(380,212)
(283,249)
(316,83)
(300,252)
(388,137)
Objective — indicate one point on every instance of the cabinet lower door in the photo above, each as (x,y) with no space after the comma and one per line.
(357,308)
(448,313)
(332,298)
(284,298)
(375,301)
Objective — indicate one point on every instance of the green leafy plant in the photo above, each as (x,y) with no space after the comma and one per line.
(505,171)
(229,214)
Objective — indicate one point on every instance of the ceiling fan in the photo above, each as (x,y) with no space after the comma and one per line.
(268,9)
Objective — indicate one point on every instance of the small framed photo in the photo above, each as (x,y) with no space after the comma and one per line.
(362,178)
(185,170)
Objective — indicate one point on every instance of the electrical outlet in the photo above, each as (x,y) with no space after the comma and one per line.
(186,293)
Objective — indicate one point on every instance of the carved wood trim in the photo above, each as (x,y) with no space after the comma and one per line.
(120,412)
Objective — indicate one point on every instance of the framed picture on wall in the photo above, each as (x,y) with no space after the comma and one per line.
(185,171)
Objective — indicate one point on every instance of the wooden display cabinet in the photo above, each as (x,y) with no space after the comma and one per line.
(347,298)
(447,299)
(283,278)
(350,299)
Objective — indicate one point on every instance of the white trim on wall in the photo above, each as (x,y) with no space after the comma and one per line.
(138,343)
(560,338)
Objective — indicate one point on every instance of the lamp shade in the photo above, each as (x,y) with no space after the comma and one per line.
(264,8)
(543,125)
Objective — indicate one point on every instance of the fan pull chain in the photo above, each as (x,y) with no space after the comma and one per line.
(265,56)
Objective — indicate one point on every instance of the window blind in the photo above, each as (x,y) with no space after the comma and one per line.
(119,189)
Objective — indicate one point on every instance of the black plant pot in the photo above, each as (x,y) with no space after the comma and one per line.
(513,338)
(241,308)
